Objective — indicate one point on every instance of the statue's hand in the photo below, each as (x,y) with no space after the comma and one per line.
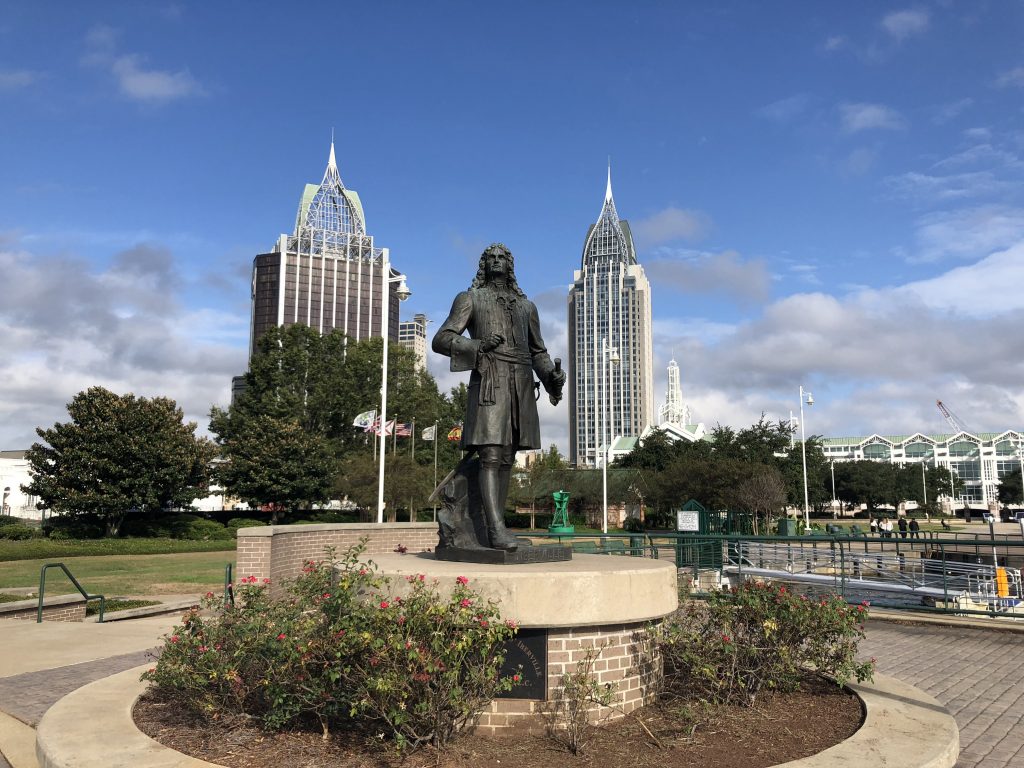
(491,342)
(557,379)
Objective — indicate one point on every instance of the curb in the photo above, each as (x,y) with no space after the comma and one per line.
(903,728)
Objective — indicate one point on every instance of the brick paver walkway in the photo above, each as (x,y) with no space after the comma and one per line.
(978,675)
(28,696)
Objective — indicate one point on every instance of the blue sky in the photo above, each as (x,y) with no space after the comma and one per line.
(822,193)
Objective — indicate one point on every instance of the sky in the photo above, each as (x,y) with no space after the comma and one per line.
(826,195)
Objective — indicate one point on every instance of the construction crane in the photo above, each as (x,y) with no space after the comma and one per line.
(951,418)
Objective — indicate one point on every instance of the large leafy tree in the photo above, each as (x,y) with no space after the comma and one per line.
(119,453)
(309,388)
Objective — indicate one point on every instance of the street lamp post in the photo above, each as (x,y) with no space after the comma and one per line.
(803,450)
(403,293)
(611,357)
(832,466)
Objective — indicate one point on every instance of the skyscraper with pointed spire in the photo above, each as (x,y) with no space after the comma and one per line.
(675,410)
(609,306)
(328,274)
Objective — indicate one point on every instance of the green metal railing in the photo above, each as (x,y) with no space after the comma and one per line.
(951,574)
(229,586)
(81,590)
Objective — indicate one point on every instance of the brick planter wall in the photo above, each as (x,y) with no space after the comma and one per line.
(63,608)
(278,552)
(626,660)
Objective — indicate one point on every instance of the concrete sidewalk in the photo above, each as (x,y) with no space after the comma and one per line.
(42,663)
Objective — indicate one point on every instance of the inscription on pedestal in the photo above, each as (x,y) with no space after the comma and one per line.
(526,654)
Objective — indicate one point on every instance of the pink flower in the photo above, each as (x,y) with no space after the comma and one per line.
(725,639)
(209,594)
(462,580)
(384,604)
(483,623)
(175,638)
(362,571)
(326,595)
(266,581)
(282,636)
(510,623)
(422,577)
(401,621)
(203,649)
(465,603)
(515,678)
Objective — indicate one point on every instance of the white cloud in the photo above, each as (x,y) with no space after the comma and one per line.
(946,112)
(970,233)
(902,24)
(67,327)
(152,85)
(862,117)
(723,274)
(989,287)
(859,161)
(959,186)
(785,110)
(16,79)
(834,43)
(134,79)
(1011,78)
(670,224)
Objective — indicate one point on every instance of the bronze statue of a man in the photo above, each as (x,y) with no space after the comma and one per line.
(504,349)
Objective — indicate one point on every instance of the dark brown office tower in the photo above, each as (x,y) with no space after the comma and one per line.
(327,274)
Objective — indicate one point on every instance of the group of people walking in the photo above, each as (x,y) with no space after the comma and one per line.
(885,527)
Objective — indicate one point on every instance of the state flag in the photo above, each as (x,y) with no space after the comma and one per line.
(455,433)
(430,433)
(365,420)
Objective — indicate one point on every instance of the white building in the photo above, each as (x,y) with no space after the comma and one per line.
(14,473)
(977,459)
(675,410)
(413,334)
(609,309)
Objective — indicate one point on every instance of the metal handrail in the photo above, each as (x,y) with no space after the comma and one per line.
(229,587)
(86,595)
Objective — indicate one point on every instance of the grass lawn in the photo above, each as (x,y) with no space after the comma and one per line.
(184,573)
(33,549)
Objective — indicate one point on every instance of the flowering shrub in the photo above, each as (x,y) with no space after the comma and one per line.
(425,666)
(340,647)
(757,637)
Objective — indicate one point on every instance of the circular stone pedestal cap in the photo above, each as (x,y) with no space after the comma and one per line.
(589,590)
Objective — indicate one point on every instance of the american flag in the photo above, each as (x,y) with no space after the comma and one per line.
(403,430)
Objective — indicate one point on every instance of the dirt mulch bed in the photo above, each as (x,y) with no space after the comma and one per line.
(782,728)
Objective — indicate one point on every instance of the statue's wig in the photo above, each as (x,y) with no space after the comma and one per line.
(481,273)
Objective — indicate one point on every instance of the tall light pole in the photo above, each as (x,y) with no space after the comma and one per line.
(832,466)
(403,293)
(611,357)
(803,450)
(924,479)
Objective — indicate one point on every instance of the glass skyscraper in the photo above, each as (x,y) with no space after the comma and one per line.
(328,274)
(609,306)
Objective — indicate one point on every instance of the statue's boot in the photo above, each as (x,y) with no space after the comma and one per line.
(491,498)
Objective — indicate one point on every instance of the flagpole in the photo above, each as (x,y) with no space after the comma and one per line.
(413,436)
(394,437)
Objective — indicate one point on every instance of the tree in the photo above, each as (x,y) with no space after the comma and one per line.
(309,388)
(1010,490)
(274,461)
(763,494)
(119,453)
